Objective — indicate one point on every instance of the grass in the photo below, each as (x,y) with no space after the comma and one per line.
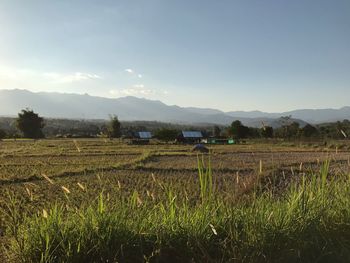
(309,222)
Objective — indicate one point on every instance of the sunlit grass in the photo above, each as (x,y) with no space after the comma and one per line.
(309,222)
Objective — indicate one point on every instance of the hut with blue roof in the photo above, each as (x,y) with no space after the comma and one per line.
(190,137)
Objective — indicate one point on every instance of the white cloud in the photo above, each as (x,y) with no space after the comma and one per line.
(136,90)
(132,92)
(68,78)
(19,74)
(13,73)
(133,73)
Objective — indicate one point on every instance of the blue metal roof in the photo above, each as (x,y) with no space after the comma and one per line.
(145,135)
(192,134)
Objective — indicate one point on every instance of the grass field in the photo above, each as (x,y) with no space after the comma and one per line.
(105,201)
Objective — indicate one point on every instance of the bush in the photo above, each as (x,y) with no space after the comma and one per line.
(165,134)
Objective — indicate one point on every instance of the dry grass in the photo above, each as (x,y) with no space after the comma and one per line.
(43,174)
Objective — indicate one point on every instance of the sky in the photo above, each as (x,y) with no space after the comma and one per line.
(271,55)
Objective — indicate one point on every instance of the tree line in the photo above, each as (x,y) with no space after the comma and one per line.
(29,124)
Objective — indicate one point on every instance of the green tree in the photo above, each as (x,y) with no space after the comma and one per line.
(165,134)
(114,127)
(30,124)
(289,128)
(293,130)
(309,131)
(238,130)
(2,134)
(267,132)
(253,132)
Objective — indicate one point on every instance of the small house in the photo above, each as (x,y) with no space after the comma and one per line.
(190,137)
(141,137)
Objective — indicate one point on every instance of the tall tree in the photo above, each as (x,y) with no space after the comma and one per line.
(30,124)
(289,128)
(238,130)
(114,127)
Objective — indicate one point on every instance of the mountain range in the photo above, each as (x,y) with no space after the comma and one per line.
(76,106)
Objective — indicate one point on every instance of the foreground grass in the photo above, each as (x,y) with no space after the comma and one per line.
(309,222)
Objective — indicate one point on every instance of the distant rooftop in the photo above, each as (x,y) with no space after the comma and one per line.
(192,134)
(144,135)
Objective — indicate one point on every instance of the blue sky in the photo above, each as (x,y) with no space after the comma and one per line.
(271,55)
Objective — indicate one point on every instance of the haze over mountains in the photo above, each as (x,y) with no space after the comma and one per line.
(75,106)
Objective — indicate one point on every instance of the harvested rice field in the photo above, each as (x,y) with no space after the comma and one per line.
(71,176)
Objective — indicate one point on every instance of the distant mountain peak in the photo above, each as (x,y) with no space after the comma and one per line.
(85,106)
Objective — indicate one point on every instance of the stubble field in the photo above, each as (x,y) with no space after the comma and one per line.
(36,176)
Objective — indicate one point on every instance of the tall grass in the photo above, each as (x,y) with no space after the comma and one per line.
(205,180)
(309,223)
